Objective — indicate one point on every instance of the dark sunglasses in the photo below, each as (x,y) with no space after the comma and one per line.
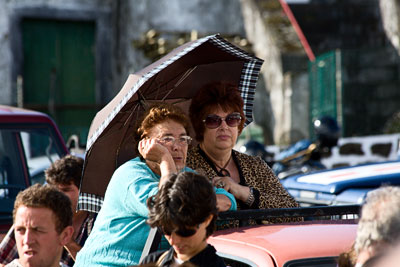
(181,232)
(213,121)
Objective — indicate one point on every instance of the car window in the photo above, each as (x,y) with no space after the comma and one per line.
(40,151)
(12,165)
(313,262)
(26,150)
(236,261)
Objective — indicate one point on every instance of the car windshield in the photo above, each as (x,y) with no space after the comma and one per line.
(26,150)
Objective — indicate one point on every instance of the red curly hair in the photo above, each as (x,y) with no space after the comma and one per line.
(211,96)
(159,113)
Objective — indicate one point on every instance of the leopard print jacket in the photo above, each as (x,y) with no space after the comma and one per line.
(256,173)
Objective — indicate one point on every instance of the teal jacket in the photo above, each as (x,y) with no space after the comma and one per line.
(120,230)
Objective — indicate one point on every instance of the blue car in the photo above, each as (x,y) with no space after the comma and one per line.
(342,186)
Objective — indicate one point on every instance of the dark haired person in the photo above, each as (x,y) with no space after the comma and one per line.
(217,117)
(185,211)
(43,225)
(65,175)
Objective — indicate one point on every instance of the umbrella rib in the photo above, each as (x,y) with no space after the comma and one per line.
(141,100)
(152,81)
(125,125)
(184,76)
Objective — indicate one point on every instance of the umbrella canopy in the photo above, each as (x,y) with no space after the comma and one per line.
(175,78)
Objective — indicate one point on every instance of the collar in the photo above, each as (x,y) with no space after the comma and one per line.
(212,165)
(209,161)
(199,259)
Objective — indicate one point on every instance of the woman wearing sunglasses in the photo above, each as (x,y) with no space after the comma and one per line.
(185,210)
(217,117)
(120,231)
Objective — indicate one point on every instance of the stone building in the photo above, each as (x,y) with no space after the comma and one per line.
(69,58)
(354,78)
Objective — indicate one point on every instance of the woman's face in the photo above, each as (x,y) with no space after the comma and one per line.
(177,149)
(222,137)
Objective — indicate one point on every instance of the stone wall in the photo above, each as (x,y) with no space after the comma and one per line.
(11,11)
(283,111)
(129,22)
(262,38)
(366,33)
(343,24)
(370,89)
(169,19)
(358,150)
(281,106)
(391,22)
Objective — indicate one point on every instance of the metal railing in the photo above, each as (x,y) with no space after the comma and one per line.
(334,213)
(314,212)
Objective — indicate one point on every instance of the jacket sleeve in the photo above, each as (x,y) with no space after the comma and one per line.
(272,195)
(222,191)
(144,185)
(8,247)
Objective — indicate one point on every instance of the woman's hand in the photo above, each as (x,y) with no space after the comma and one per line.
(151,150)
(156,154)
(239,191)
(223,203)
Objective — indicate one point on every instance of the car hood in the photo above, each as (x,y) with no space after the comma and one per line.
(284,242)
(337,180)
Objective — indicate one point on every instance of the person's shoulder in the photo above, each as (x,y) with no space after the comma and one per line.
(210,255)
(218,261)
(14,263)
(194,158)
(193,151)
(135,163)
(248,158)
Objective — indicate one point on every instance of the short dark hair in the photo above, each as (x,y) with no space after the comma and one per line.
(65,171)
(46,196)
(185,199)
(211,96)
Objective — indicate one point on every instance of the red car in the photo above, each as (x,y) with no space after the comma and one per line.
(300,244)
(29,142)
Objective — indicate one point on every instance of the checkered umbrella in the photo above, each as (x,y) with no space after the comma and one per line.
(175,78)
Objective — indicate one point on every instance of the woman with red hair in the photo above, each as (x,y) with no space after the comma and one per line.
(217,117)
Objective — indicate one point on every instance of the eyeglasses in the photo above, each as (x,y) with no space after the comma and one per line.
(181,232)
(213,121)
(183,140)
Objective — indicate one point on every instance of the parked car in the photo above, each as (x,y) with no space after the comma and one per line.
(342,186)
(305,244)
(29,142)
(317,242)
